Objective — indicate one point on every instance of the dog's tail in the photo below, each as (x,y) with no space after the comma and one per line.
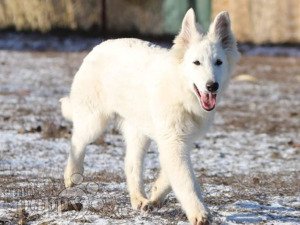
(66,108)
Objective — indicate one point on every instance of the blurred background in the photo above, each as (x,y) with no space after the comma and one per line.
(254,21)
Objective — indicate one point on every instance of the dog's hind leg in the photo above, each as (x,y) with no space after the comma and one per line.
(86,129)
(137,144)
(160,189)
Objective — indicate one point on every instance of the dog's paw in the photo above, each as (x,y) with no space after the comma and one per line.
(158,203)
(68,182)
(73,179)
(201,219)
(142,204)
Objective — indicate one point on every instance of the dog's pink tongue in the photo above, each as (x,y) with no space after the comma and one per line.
(208,101)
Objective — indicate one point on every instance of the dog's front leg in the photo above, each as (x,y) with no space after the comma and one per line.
(175,161)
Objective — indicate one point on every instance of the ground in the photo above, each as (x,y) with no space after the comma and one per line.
(248,164)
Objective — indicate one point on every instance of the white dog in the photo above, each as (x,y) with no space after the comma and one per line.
(164,95)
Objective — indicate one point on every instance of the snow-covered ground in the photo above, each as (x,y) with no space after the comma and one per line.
(248,164)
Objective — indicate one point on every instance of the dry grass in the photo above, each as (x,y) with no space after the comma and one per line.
(257,187)
(115,204)
(45,15)
(52,130)
(137,16)
(267,70)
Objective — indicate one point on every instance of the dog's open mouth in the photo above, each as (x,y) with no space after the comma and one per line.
(207,99)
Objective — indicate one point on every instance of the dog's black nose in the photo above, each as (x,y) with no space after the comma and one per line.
(212,86)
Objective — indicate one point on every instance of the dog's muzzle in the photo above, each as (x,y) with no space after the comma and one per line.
(207,99)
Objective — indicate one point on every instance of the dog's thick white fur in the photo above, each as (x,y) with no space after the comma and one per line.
(159,94)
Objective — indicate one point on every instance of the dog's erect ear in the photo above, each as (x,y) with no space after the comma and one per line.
(220,29)
(188,30)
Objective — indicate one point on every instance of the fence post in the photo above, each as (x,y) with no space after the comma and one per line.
(203,12)
(173,12)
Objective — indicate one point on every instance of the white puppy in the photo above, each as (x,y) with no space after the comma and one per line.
(163,95)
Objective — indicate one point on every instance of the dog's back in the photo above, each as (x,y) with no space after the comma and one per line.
(119,76)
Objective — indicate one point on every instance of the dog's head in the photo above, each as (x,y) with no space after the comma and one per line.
(207,60)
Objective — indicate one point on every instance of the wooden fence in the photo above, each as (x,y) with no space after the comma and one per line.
(263,21)
(258,21)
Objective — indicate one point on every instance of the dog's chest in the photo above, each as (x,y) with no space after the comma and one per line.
(198,125)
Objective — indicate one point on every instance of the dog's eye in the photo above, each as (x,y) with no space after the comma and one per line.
(218,62)
(197,63)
